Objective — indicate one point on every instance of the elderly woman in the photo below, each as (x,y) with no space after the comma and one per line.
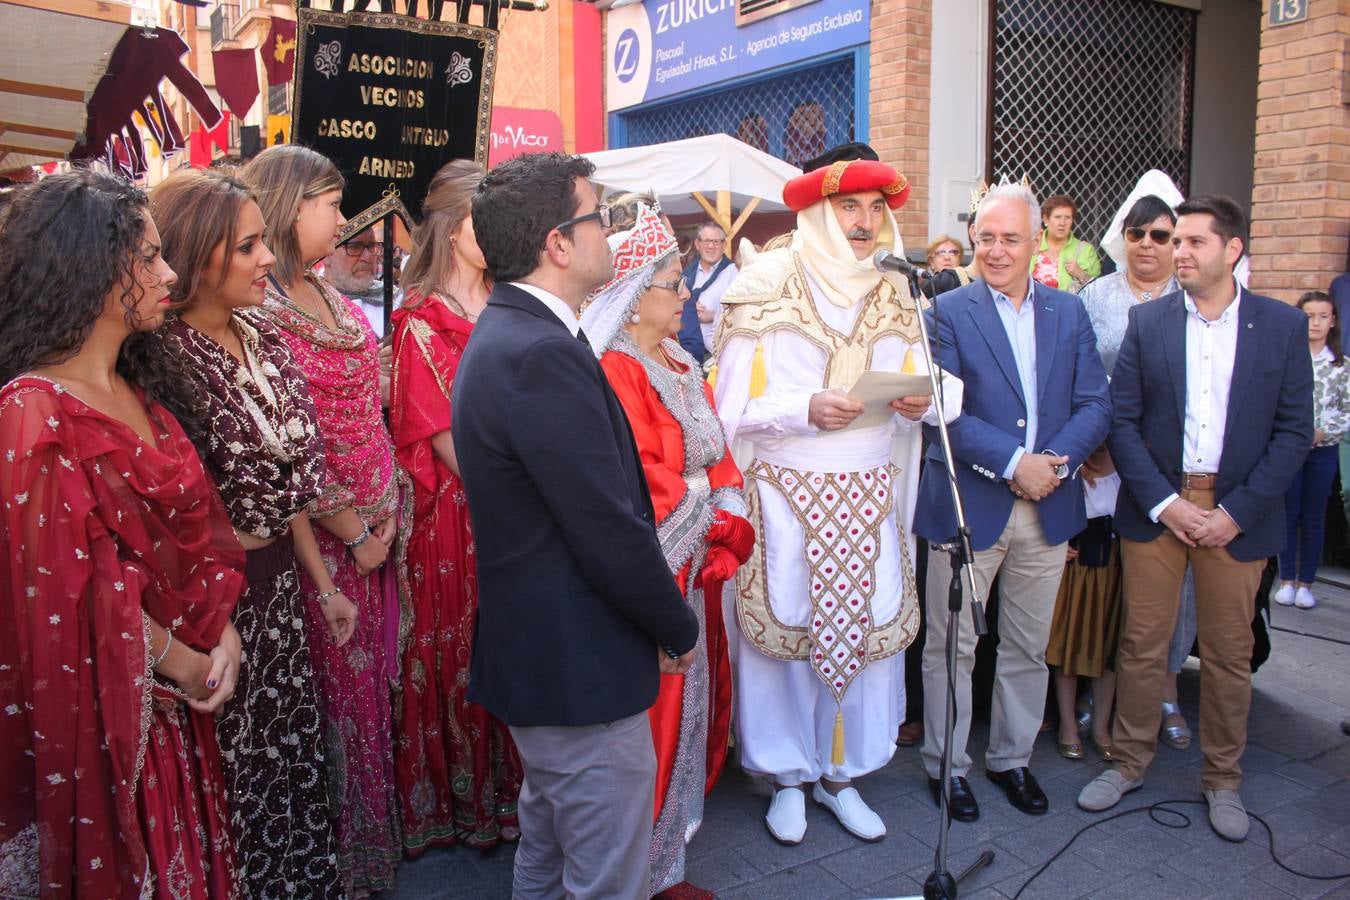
(1086,624)
(1063,261)
(943,253)
(696,493)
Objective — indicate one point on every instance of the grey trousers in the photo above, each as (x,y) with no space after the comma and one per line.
(585,811)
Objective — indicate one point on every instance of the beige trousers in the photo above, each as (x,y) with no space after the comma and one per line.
(1225,602)
(1029,570)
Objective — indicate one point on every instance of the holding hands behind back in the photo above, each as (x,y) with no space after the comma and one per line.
(1035,478)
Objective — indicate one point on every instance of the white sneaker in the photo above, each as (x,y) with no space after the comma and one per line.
(855,815)
(1304,599)
(1285,595)
(787,815)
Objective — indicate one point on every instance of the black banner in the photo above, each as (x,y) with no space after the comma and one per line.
(390,99)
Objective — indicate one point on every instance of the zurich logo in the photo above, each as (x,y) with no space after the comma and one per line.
(627,52)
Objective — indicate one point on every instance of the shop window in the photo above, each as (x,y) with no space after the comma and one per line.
(792,116)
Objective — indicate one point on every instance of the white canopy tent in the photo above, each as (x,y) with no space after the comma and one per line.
(685,173)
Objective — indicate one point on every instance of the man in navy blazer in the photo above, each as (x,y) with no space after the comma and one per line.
(1213,416)
(578,612)
(1036,407)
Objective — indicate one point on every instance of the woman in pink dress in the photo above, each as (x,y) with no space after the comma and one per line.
(363,511)
(457,770)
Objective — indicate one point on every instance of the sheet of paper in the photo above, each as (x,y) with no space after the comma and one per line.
(875,391)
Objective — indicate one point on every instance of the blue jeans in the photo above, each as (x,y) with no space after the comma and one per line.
(1305,505)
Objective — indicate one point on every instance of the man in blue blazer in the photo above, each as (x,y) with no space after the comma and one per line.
(578,613)
(1213,416)
(1035,408)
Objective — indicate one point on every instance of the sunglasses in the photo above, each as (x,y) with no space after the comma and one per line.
(1158,236)
(601,215)
(673,286)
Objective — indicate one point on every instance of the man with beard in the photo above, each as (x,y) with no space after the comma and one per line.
(1213,392)
(826,604)
(354,269)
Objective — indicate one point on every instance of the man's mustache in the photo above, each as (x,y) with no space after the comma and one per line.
(860,234)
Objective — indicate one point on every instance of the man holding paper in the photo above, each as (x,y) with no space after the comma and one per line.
(827,603)
(1038,406)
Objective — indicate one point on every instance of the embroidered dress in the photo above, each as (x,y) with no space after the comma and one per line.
(110,786)
(690,474)
(341,367)
(261,444)
(456,767)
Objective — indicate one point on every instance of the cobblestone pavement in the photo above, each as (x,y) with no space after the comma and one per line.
(1297,778)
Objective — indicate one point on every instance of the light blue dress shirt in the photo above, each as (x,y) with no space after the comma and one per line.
(1020,325)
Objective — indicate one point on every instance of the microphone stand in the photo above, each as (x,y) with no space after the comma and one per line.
(940,884)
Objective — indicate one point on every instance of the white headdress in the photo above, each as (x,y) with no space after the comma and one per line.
(637,254)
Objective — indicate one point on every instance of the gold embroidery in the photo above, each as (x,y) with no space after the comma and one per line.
(830,185)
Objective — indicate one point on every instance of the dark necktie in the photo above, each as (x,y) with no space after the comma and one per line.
(581,336)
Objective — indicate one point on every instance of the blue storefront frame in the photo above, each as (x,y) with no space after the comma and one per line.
(860,57)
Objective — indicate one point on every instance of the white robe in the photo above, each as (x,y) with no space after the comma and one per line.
(784,713)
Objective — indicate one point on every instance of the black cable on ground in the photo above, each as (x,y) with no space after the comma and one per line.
(1319,637)
(1155,810)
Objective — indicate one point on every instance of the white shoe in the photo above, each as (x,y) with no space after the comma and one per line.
(1304,599)
(855,815)
(1285,595)
(787,815)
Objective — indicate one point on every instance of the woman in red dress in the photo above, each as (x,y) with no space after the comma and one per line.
(118,569)
(456,768)
(696,494)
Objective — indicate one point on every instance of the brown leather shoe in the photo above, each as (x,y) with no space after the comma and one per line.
(911,734)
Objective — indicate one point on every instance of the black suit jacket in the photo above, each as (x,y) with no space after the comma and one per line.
(574,594)
(1268,430)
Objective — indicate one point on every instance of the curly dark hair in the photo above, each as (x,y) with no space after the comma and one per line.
(70,240)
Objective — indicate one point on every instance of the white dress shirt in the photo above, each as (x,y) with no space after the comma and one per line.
(711,298)
(560,309)
(1020,325)
(1211,348)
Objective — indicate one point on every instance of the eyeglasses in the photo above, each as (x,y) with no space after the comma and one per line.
(946,251)
(1158,236)
(353,249)
(601,215)
(987,242)
(712,242)
(675,286)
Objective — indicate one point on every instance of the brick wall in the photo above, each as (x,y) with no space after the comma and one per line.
(1301,193)
(901,62)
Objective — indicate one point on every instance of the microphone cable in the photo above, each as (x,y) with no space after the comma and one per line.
(1156,811)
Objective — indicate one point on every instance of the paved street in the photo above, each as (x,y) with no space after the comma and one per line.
(1297,778)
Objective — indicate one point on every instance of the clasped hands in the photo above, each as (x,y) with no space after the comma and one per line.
(1035,478)
(1196,527)
(833,410)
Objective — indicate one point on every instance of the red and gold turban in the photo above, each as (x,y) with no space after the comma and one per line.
(848,176)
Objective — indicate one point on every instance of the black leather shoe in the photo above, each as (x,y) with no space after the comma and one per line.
(1022,790)
(962,805)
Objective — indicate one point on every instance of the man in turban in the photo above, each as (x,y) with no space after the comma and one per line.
(826,604)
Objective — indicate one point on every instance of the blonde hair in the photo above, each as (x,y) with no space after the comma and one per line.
(938,242)
(446,207)
(283,177)
(623,208)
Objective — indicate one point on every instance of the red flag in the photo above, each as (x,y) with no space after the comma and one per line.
(278,54)
(220,135)
(199,149)
(236,78)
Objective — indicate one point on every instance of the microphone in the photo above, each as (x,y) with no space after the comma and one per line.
(886,261)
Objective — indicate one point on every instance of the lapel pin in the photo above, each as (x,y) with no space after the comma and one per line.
(1250,325)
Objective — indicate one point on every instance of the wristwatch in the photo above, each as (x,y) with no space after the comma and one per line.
(1061,470)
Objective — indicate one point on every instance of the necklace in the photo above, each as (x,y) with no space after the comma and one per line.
(456,307)
(1146,294)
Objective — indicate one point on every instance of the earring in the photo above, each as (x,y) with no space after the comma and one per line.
(635,319)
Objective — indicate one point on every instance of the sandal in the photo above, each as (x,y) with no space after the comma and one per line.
(1178,737)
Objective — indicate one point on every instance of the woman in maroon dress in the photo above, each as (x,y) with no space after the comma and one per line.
(118,569)
(457,771)
(260,441)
